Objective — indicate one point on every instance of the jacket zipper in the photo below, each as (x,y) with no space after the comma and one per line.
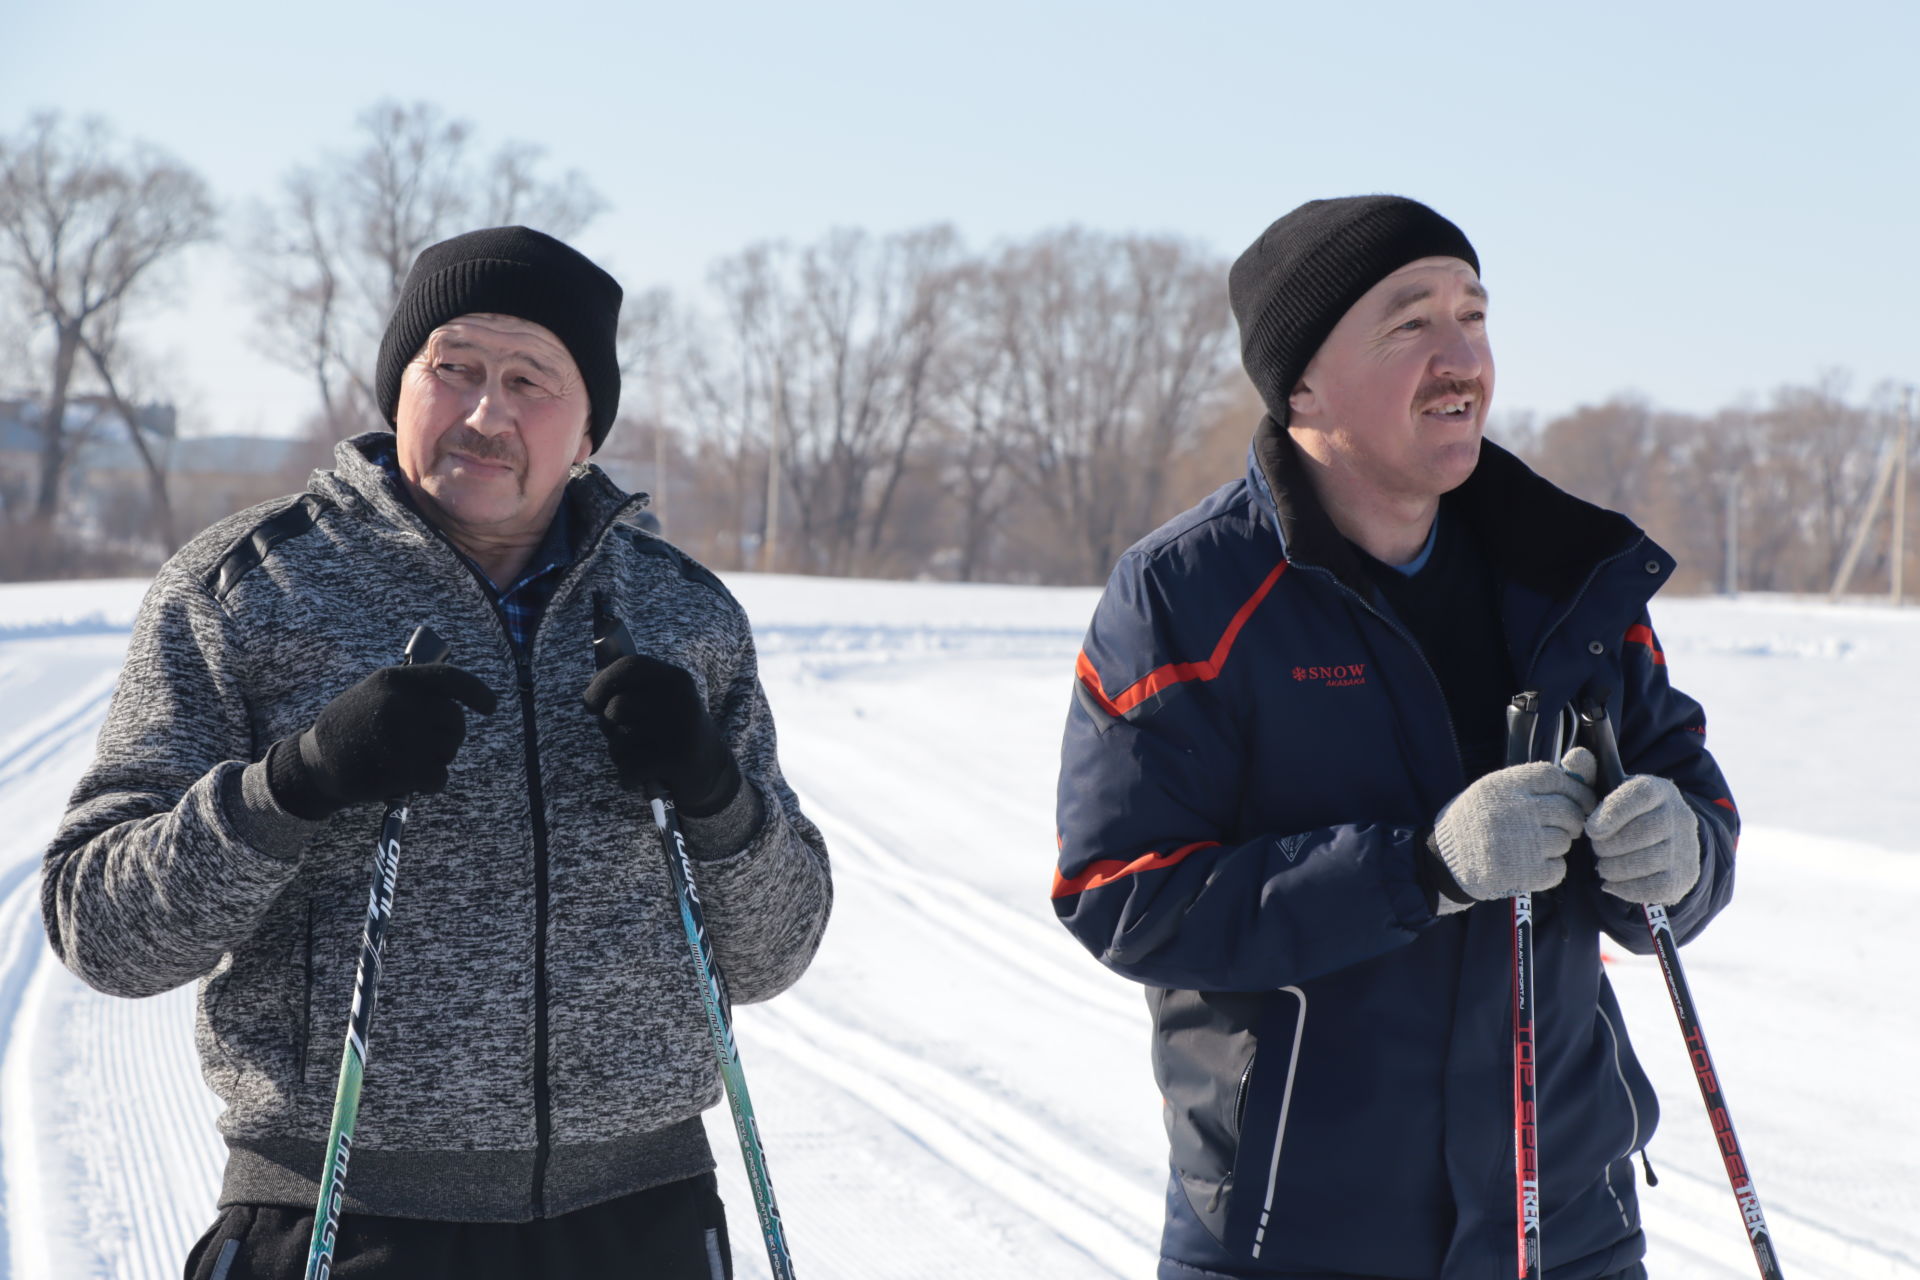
(1446,712)
(537,809)
(529,726)
(536,800)
(542,1100)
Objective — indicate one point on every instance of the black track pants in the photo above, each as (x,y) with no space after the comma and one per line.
(674,1232)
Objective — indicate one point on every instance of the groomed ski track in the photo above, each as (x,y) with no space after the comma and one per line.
(956,1089)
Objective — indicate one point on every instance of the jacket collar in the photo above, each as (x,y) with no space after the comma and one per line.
(1533,532)
(358,480)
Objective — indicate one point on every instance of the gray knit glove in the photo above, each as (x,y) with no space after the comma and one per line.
(1646,841)
(1509,832)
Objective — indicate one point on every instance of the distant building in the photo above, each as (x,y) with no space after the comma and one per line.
(94,431)
(220,473)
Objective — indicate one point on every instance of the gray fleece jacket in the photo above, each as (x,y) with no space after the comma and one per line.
(540,1043)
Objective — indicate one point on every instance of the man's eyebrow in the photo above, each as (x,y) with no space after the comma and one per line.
(461,344)
(1407,295)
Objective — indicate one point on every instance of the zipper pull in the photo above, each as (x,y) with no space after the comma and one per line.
(1647,1166)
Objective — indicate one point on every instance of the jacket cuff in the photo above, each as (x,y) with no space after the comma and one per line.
(1444,894)
(723,834)
(258,819)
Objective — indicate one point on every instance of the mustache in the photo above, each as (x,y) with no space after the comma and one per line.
(1450,388)
(484,448)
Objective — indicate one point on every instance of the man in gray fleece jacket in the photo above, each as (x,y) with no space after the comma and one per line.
(541,1059)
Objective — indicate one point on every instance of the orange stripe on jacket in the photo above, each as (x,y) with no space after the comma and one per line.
(1111,869)
(1175,672)
(1638,634)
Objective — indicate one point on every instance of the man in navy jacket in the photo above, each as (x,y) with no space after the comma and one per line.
(1286,804)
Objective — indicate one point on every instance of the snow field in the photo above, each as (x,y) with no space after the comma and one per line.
(956,1088)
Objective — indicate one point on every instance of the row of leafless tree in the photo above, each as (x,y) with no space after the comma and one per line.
(896,404)
(1764,497)
(874,404)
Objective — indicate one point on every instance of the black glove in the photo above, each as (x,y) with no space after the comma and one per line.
(393,734)
(658,731)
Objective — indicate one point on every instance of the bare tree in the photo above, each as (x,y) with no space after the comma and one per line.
(108,355)
(84,224)
(731,371)
(825,366)
(329,257)
(1606,453)
(1115,346)
(1827,445)
(636,450)
(974,387)
(872,316)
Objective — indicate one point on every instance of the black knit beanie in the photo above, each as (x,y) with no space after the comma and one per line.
(509,271)
(1305,271)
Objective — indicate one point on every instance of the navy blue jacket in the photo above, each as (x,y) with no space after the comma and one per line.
(1255,753)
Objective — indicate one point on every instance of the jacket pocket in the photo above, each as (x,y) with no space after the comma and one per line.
(1626,1075)
(1248,1220)
(1204,1059)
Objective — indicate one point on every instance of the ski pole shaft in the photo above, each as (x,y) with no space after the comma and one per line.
(1523,717)
(611,642)
(1606,752)
(423,647)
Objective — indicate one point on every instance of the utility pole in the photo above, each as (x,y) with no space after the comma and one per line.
(659,452)
(1897,551)
(770,546)
(1732,576)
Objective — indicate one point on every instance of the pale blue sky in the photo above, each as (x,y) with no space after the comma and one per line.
(1698,201)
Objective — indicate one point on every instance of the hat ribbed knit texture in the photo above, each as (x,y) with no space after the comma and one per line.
(509,271)
(1293,284)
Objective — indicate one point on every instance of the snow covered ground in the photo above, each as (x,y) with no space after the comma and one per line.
(956,1089)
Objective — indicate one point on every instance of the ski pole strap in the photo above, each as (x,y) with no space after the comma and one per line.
(1597,728)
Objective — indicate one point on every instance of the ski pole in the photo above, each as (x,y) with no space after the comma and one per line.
(1523,715)
(423,647)
(611,642)
(1606,752)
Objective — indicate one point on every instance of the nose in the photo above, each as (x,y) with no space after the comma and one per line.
(490,415)
(1463,356)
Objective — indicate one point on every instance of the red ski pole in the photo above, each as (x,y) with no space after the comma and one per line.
(1523,715)
(1606,751)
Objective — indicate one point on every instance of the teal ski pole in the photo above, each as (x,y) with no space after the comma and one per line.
(424,647)
(610,643)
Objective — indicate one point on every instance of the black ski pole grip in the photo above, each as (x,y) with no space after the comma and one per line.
(1523,717)
(610,639)
(425,646)
(1604,745)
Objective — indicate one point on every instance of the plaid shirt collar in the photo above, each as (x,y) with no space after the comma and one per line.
(522,603)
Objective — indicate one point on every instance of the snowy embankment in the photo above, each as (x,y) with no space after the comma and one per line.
(955,1089)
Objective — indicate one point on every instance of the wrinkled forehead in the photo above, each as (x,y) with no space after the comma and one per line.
(502,337)
(1418,281)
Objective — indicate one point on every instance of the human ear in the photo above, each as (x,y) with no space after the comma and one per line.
(1303,400)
